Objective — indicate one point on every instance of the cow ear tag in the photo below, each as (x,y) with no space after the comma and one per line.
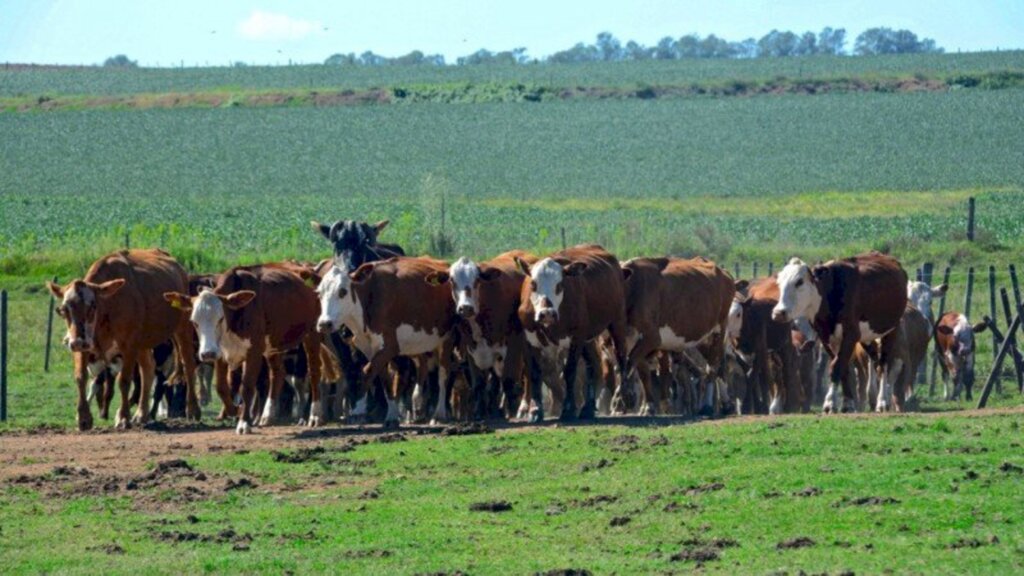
(309,282)
(176,304)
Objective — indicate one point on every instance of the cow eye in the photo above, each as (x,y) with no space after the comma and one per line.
(341,293)
(558,288)
(799,282)
(533,285)
(62,311)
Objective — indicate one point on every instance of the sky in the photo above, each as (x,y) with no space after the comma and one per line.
(220,32)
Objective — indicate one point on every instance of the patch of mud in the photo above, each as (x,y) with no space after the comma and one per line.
(808,492)
(227,536)
(111,549)
(594,501)
(659,440)
(602,463)
(866,501)
(696,489)
(565,572)
(492,506)
(390,438)
(466,429)
(794,543)
(973,542)
(620,521)
(677,507)
(369,553)
(299,456)
(1010,468)
(625,443)
(240,484)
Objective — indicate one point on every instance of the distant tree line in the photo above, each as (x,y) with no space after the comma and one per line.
(607,48)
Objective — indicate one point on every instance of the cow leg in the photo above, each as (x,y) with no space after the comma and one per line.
(311,346)
(81,380)
(665,384)
(124,384)
(648,344)
(889,365)
(569,376)
(221,376)
(376,368)
(777,388)
(251,368)
(275,374)
(443,374)
(592,365)
(839,378)
(107,392)
(204,371)
(533,392)
(183,347)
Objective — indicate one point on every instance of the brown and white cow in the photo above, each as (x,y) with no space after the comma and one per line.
(954,344)
(393,308)
(857,299)
(487,298)
(672,305)
(757,340)
(256,313)
(568,300)
(117,309)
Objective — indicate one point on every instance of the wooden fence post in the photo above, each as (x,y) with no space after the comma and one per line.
(563,237)
(992,306)
(736,269)
(49,333)
(935,359)
(127,241)
(929,269)
(771,268)
(970,219)
(1003,350)
(969,296)
(1015,285)
(3,355)
(1018,360)
(753,273)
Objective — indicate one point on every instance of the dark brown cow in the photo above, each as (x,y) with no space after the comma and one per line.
(758,340)
(857,299)
(487,299)
(118,309)
(568,300)
(256,313)
(954,344)
(675,304)
(394,308)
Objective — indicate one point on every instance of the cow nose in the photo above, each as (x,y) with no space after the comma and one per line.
(78,345)
(547,317)
(780,315)
(207,356)
(325,326)
(466,311)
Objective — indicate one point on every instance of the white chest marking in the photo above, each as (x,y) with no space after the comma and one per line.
(676,343)
(412,342)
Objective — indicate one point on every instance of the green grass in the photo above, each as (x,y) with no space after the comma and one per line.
(943,473)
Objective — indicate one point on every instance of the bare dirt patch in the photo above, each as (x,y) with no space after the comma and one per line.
(794,543)
(493,506)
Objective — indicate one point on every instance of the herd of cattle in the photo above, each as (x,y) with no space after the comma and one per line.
(373,334)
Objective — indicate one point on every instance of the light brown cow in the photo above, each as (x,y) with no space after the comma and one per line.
(256,313)
(857,299)
(118,309)
(393,308)
(487,299)
(954,344)
(672,305)
(568,300)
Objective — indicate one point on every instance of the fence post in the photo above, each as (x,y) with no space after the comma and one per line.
(771,268)
(753,273)
(736,269)
(127,241)
(935,359)
(3,355)
(992,306)
(1015,285)
(999,360)
(1018,361)
(49,333)
(563,237)
(929,268)
(970,219)
(920,274)
(970,292)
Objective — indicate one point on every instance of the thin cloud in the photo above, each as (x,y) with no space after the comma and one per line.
(262,25)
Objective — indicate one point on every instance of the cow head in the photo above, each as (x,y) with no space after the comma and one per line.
(355,243)
(207,313)
(920,296)
(337,301)
(465,277)
(545,286)
(955,339)
(80,304)
(799,295)
(734,322)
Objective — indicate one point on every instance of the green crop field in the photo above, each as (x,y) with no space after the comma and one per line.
(744,179)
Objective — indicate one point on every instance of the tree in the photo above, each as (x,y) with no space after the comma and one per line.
(807,45)
(341,60)
(608,47)
(120,61)
(832,41)
(636,52)
(777,44)
(688,46)
(578,53)
(888,41)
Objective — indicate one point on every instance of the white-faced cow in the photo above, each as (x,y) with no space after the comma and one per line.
(568,300)
(256,313)
(674,305)
(393,308)
(487,298)
(857,299)
(117,310)
(954,344)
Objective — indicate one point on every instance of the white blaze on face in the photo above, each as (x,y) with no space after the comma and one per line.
(208,318)
(798,296)
(78,303)
(920,296)
(964,335)
(333,292)
(734,323)
(463,275)
(547,293)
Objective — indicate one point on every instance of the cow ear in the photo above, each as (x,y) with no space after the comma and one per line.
(626,273)
(820,271)
(321,228)
(56,290)
(521,265)
(574,269)
(381,225)
(436,278)
(238,300)
(107,289)
(488,274)
(940,290)
(943,329)
(979,327)
(742,286)
(361,273)
(178,300)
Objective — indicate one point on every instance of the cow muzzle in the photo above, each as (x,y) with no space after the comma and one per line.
(79,345)
(325,326)
(466,311)
(547,317)
(780,315)
(208,355)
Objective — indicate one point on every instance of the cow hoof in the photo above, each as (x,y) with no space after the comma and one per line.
(827,408)
(587,413)
(882,407)
(535,417)
(140,419)
(394,424)
(706,411)
(568,414)
(121,423)
(647,410)
(314,421)
(243,427)
(84,424)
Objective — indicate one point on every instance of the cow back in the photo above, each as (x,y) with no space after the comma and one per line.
(691,296)
(396,292)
